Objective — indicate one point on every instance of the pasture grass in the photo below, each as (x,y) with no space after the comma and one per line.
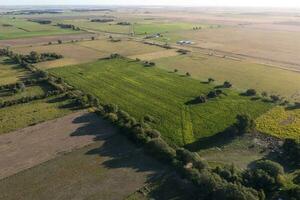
(280,122)
(243,74)
(12,73)
(27,114)
(142,90)
(29,91)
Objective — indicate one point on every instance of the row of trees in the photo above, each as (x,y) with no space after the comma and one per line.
(68,26)
(217,183)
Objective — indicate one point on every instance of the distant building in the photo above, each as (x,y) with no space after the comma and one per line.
(182,42)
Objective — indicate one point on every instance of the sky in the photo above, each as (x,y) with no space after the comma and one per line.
(243,3)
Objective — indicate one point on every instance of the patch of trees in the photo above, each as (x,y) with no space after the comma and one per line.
(124,23)
(214,94)
(27,99)
(166,46)
(102,20)
(7,25)
(68,26)
(291,152)
(34,57)
(41,21)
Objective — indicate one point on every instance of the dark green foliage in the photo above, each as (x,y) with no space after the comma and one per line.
(110,108)
(187,156)
(187,74)
(113,117)
(210,80)
(291,152)
(227,84)
(149,64)
(214,93)
(264,175)
(175,70)
(68,26)
(160,149)
(275,98)
(244,124)
(201,99)
(250,92)
(229,173)
(152,133)
(102,20)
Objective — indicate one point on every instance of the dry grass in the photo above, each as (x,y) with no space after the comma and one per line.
(242,74)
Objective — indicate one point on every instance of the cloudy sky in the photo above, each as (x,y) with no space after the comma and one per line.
(255,3)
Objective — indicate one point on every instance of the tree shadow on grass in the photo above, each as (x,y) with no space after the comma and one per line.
(218,140)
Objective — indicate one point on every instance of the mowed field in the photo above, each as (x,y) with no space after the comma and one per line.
(270,46)
(97,171)
(141,90)
(86,51)
(243,74)
(22,28)
(33,145)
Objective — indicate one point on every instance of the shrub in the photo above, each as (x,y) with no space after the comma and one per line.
(244,124)
(227,84)
(152,133)
(187,74)
(210,80)
(201,99)
(291,152)
(187,156)
(161,150)
(112,117)
(251,92)
(110,108)
(175,70)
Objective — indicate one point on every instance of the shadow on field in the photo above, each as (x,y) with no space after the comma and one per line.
(218,140)
(117,151)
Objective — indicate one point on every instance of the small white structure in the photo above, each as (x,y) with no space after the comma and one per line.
(182,42)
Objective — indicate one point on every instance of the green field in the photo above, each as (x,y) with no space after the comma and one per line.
(22,28)
(96,26)
(242,74)
(23,115)
(11,73)
(93,172)
(140,91)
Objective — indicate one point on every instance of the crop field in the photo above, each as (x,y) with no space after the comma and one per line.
(280,122)
(87,51)
(73,53)
(141,90)
(32,113)
(11,73)
(243,74)
(21,28)
(103,27)
(161,27)
(92,172)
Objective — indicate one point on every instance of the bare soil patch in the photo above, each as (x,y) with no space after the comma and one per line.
(25,148)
